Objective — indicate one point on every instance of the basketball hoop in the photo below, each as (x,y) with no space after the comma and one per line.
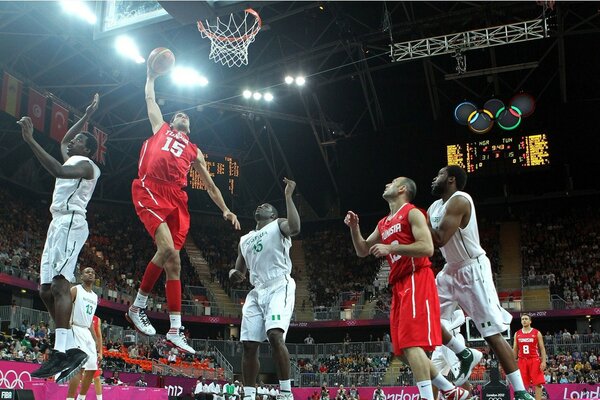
(229,40)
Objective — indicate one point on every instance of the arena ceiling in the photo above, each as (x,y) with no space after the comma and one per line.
(358,122)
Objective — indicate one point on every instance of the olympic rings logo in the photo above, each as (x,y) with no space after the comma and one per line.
(508,117)
(12,380)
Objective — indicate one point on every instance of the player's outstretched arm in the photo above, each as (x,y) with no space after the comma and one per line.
(457,208)
(421,247)
(82,169)
(515,349)
(290,226)
(78,126)
(238,274)
(213,191)
(361,246)
(99,342)
(154,113)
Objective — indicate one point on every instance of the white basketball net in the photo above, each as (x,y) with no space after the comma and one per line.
(230,38)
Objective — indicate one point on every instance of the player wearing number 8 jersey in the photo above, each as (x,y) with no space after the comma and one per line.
(161,205)
(530,352)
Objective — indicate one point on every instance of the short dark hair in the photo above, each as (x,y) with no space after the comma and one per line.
(525,315)
(459,174)
(91,143)
(411,188)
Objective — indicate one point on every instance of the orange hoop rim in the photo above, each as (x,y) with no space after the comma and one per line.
(245,37)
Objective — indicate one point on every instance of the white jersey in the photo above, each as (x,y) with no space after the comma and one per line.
(464,244)
(74,194)
(267,253)
(84,307)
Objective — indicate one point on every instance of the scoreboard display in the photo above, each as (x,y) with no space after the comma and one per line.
(501,154)
(224,170)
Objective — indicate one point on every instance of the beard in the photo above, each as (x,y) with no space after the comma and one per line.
(438,189)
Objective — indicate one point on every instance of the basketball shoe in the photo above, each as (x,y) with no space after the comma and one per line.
(469,358)
(523,395)
(457,393)
(179,340)
(75,360)
(57,363)
(138,318)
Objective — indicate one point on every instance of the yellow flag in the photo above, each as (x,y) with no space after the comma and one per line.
(10,101)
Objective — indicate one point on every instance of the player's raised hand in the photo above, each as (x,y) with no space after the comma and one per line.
(351,219)
(236,276)
(151,74)
(290,186)
(379,250)
(26,128)
(229,216)
(93,106)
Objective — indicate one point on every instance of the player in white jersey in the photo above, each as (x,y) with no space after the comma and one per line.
(267,311)
(466,279)
(68,231)
(85,302)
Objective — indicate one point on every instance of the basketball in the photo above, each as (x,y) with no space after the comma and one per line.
(161,60)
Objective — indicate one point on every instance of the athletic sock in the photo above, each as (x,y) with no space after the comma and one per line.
(250,392)
(456,346)
(150,278)
(425,390)
(140,301)
(516,380)
(60,339)
(70,343)
(175,320)
(81,397)
(285,386)
(442,383)
(173,292)
(98,397)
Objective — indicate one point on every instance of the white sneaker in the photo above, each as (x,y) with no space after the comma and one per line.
(140,321)
(178,340)
(457,393)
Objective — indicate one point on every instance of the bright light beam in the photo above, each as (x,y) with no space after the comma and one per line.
(127,48)
(186,76)
(79,9)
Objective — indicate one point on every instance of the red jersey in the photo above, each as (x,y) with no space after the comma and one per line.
(528,343)
(167,156)
(396,229)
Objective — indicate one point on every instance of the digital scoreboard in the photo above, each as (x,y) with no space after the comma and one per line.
(224,170)
(501,154)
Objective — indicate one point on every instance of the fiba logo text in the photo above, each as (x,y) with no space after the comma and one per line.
(174,390)
(403,396)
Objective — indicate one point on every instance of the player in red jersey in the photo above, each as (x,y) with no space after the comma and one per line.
(403,238)
(161,205)
(531,354)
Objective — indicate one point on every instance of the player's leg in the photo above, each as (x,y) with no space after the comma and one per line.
(46,273)
(98,386)
(278,314)
(73,385)
(86,382)
(250,368)
(469,358)
(479,300)
(252,333)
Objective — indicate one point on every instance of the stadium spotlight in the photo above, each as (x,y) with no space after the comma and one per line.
(268,96)
(289,80)
(257,96)
(186,76)
(127,47)
(80,9)
(247,94)
(300,81)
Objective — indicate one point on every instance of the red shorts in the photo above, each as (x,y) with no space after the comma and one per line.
(156,203)
(531,372)
(415,312)
(98,372)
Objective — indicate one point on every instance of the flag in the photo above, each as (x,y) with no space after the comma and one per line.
(101,137)
(37,109)
(11,95)
(59,122)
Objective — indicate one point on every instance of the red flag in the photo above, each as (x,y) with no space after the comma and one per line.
(37,109)
(59,123)
(101,137)
(11,95)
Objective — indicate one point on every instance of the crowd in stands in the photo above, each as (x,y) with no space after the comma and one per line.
(333,267)
(344,363)
(561,249)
